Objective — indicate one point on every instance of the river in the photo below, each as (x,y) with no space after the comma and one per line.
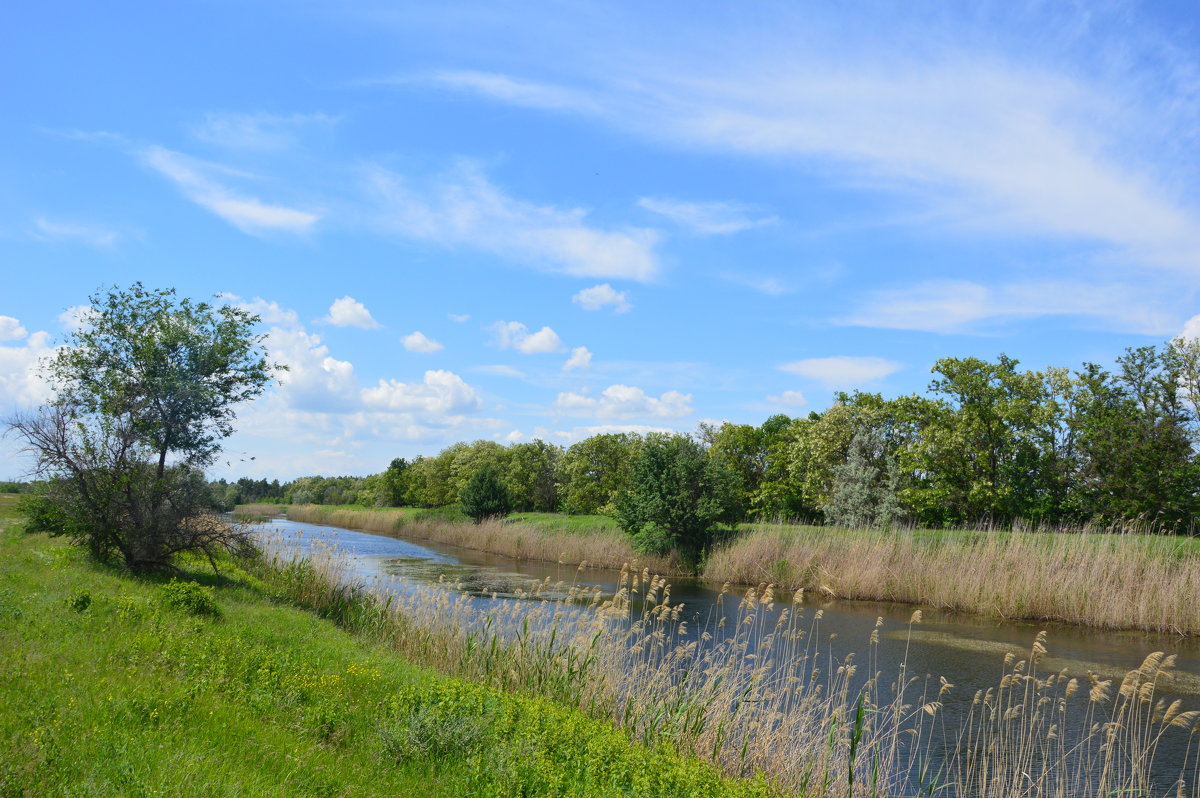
(968,650)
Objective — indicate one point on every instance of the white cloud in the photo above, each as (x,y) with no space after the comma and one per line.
(953,306)
(1191,328)
(315,380)
(257,131)
(516,436)
(349,312)
(91,235)
(708,218)
(575,434)
(248,214)
(75,318)
(580,358)
(267,312)
(11,329)
(600,296)
(459,317)
(515,335)
(789,398)
(441,392)
(419,342)
(843,371)
(465,208)
(985,142)
(21,382)
(625,401)
(500,371)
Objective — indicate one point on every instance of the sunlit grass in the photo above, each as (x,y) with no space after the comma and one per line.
(113,685)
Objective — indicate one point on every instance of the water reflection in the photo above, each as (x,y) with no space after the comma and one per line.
(969,651)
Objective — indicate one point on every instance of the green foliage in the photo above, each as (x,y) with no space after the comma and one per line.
(677,498)
(145,393)
(188,597)
(864,487)
(532,476)
(485,496)
(593,471)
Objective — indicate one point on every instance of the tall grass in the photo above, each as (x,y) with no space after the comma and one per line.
(759,694)
(1101,579)
(602,546)
(1110,581)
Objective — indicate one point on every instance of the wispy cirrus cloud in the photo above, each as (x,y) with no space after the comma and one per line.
(259,131)
(843,371)
(992,143)
(196,180)
(464,208)
(90,234)
(708,218)
(957,306)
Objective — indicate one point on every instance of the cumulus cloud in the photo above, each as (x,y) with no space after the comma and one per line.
(624,401)
(419,342)
(349,312)
(844,371)
(789,398)
(459,317)
(315,380)
(708,218)
(267,312)
(580,358)
(515,335)
(21,382)
(601,296)
(249,214)
(11,329)
(441,392)
(463,208)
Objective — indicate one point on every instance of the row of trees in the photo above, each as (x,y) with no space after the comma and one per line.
(988,442)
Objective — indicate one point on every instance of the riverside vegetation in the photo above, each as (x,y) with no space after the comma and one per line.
(203,685)
(1113,581)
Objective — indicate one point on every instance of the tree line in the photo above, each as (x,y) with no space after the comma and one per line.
(987,442)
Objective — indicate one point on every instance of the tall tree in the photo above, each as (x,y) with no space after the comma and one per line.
(677,498)
(146,391)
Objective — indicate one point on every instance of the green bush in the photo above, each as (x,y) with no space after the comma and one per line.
(485,496)
(188,597)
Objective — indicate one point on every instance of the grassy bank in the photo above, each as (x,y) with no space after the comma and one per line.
(1115,581)
(222,686)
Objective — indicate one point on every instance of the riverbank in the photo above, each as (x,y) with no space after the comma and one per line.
(1109,581)
(209,685)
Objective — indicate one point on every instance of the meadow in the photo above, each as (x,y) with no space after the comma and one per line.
(1127,580)
(226,685)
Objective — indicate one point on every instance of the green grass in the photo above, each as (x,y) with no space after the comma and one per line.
(207,685)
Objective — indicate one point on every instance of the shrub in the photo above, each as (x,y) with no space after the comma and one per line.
(189,597)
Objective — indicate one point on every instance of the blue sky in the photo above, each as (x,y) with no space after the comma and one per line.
(524,220)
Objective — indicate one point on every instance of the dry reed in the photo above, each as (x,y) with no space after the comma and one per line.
(1112,581)
(759,695)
